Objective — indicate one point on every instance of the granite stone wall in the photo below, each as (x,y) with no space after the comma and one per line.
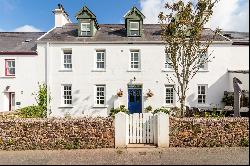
(209,132)
(52,134)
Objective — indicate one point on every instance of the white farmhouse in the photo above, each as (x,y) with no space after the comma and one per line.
(89,63)
(90,68)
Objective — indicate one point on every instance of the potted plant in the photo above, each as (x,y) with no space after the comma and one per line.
(148,109)
(120,93)
(149,93)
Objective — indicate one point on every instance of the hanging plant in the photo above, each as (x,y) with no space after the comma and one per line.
(149,93)
(120,93)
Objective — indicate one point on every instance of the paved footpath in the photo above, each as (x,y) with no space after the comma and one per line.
(135,156)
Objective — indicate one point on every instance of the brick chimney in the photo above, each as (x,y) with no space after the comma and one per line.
(61,16)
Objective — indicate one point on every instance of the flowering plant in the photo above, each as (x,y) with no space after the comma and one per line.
(120,93)
(149,93)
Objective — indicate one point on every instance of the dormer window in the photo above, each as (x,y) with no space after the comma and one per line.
(134,22)
(134,28)
(87,23)
(85,29)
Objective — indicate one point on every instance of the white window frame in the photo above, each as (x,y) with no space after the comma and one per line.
(99,61)
(65,98)
(9,68)
(168,86)
(67,63)
(132,61)
(134,29)
(99,97)
(84,32)
(204,96)
(168,63)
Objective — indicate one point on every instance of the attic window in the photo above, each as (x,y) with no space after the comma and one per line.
(134,28)
(228,35)
(27,40)
(85,29)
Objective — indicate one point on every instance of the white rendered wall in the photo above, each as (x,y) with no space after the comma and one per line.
(240,61)
(117,76)
(29,71)
(243,77)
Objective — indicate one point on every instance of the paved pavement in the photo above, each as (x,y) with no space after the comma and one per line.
(130,156)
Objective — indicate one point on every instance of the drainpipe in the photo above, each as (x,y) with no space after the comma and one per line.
(47,76)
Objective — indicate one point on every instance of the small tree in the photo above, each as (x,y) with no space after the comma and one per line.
(182,33)
(42,97)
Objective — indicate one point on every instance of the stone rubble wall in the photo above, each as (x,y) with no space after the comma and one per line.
(52,134)
(209,132)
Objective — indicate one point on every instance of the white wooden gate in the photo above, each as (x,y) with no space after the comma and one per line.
(141,128)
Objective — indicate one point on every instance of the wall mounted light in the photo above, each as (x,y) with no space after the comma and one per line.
(7,88)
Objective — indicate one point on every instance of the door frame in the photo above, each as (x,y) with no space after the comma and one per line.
(136,86)
(11,100)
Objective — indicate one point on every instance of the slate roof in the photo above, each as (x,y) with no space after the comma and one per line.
(237,37)
(114,33)
(18,42)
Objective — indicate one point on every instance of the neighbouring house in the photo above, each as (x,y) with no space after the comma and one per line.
(90,67)
(21,68)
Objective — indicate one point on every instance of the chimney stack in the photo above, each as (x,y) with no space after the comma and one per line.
(61,16)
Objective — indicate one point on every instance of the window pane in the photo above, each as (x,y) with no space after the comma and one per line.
(134,25)
(99,56)
(100,95)
(135,64)
(85,26)
(12,71)
(134,32)
(169,94)
(67,94)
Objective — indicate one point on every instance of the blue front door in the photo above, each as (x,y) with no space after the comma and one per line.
(135,100)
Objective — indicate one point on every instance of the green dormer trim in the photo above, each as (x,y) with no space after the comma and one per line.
(134,22)
(87,23)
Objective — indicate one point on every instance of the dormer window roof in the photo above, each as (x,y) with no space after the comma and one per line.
(134,22)
(87,23)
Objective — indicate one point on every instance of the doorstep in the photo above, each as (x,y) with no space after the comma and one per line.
(141,146)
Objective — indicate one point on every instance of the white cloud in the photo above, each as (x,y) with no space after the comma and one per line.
(231,15)
(228,14)
(27,28)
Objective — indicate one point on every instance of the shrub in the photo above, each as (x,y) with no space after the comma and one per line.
(39,110)
(162,109)
(244,142)
(175,111)
(228,99)
(32,112)
(114,111)
(148,109)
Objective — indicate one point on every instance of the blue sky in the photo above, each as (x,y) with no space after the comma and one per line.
(36,15)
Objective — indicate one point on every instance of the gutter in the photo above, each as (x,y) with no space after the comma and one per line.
(122,42)
(18,53)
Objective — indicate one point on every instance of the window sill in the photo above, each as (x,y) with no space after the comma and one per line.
(100,106)
(169,105)
(203,106)
(66,70)
(130,70)
(98,70)
(167,70)
(66,106)
(203,70)
(8,77)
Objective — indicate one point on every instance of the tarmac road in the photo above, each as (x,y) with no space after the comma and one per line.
(130,156)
